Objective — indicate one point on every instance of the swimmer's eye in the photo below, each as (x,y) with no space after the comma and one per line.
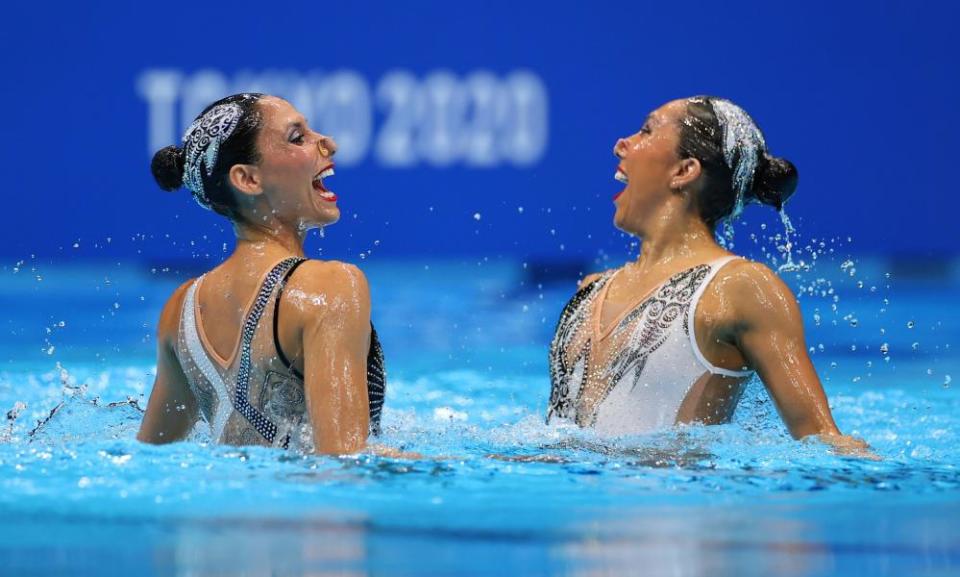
(645,129)
(296,138)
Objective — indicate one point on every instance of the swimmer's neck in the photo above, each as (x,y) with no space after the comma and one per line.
(675,239)
(260,237)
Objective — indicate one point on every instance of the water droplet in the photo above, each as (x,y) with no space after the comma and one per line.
(910,324)
(915,346)
(476,216)
(885,348)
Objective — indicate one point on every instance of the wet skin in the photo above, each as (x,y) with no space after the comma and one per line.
(747,317)
(325,309)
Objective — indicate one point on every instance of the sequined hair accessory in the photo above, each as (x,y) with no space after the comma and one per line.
(743,145)
(201,145)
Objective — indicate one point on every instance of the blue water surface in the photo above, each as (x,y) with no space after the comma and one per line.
(466,348)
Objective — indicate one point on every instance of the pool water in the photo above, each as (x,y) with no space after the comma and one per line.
(467,377)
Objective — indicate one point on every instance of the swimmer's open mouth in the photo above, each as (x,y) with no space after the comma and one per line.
(319,186)
(622,177)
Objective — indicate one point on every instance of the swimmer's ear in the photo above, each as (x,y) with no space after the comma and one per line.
(685,173)
(245,179)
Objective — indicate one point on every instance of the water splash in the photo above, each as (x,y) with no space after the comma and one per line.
(787,247)
(726,233)
(76,418)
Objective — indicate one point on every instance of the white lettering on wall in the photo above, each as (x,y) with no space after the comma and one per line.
(160,89)
(479,120)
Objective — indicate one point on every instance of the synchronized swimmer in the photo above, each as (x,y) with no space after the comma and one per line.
(270,348)
(673,337)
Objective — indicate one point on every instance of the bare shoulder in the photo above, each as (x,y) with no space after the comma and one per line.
(324,285)
(754,288)
(170,315)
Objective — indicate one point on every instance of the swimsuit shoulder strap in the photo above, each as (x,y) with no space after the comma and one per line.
(715,267)
(276,317)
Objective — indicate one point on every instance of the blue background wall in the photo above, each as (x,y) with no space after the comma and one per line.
(861,96)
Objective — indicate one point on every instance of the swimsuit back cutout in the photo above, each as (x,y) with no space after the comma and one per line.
(257,397)
(634,375)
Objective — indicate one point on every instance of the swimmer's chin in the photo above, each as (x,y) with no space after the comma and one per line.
(313,224)
(620,223)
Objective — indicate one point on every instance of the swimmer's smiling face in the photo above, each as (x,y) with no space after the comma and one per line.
(648,165)
(294,160)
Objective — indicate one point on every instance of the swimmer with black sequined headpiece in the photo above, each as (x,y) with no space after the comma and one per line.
(673,337)
(268,348)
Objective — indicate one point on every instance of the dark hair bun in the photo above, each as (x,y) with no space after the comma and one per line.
(167,168)
(775,180)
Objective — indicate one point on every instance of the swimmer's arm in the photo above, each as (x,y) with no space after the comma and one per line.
(394,453)
(336,339)
(769,333)
(172,409)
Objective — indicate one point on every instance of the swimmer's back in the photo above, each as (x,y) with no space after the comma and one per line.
(319,327)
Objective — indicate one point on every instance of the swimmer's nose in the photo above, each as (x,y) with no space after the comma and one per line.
(619,147)
(327,145)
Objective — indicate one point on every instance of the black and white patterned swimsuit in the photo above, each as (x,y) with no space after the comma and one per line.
(638,371)
(256,396)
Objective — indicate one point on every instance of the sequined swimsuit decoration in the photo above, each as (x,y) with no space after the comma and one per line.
(634,376)
(256,397)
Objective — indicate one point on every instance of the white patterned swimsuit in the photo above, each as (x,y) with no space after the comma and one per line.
(634,376)
(256,396)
